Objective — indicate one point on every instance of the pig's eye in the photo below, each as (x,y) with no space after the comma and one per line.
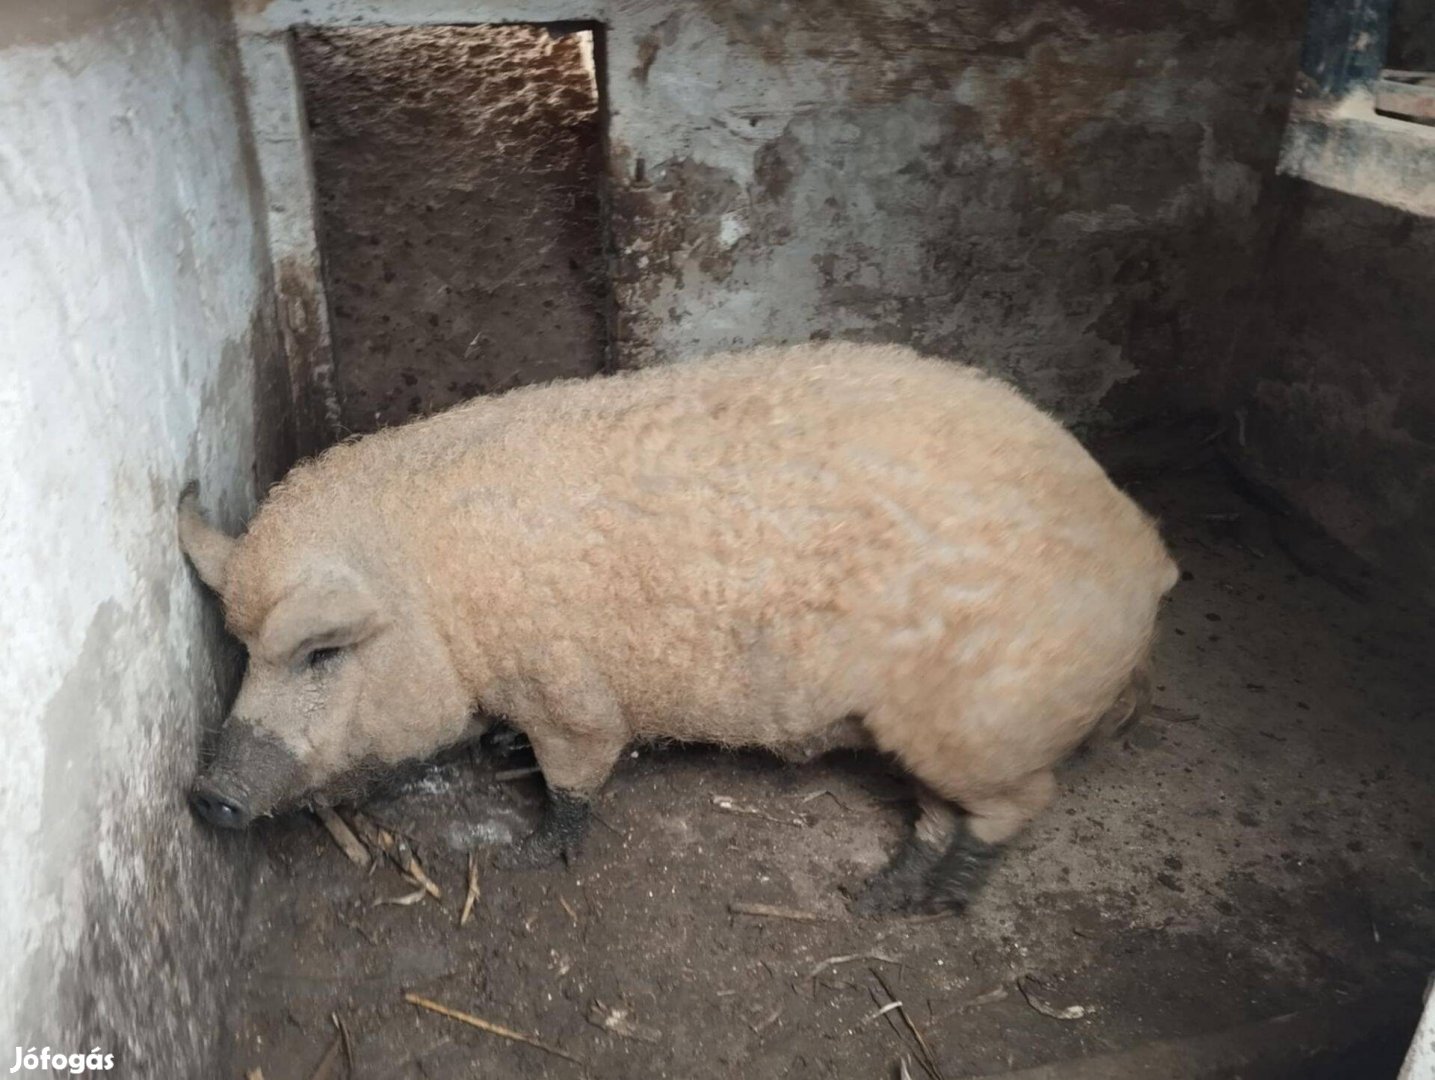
(318,658)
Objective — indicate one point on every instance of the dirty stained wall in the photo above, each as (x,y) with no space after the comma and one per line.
(1412,36)
(138,350)
(1069,193)
(1335,391)
(1077,195)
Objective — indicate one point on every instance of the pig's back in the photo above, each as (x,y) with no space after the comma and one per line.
(761,538)
(855,456)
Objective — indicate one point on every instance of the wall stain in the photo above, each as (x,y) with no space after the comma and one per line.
(667,231)
(1071,194)
(310,375)
(1050,100)
(128,913)
(652,42)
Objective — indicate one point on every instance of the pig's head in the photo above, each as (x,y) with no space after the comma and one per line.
(347,675)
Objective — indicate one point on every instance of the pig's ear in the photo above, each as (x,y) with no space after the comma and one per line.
(208,548)
(331,609)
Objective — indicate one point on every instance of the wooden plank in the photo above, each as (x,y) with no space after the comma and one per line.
(1405,99)
(1421,78)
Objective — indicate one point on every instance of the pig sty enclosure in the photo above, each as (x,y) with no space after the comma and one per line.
(235,234)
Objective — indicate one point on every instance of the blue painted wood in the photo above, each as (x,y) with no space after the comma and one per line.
(1345,43)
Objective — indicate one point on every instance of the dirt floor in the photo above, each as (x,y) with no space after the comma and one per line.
(1259,844)
(459,175)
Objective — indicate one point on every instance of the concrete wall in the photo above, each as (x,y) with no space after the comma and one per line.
(136,335)
(1334,383)
(1066,193)
(1070,193)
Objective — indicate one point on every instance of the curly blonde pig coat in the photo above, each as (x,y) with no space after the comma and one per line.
(796,548)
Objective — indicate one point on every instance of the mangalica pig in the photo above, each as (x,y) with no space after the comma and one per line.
(791,548)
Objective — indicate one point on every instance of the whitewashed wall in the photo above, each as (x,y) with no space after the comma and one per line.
(134,301)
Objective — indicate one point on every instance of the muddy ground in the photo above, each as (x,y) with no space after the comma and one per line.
(1259,844)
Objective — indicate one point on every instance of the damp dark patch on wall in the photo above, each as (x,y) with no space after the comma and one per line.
(294,387)
(667,227)
(1077,197)
(127,912)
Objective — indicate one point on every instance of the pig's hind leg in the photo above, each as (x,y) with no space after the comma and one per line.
(991,820)
(902,885)
(947,857)
(574,767)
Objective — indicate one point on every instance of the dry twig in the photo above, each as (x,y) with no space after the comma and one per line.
(833,961)
(811,795)
(348,843)
(471,896)
(348,1044)
(329,1062)
(881,1010)
(568,908)
(990,997)
(725,802)
(399,851)
(1071,1012)
(414,871)
(491,1028)
(929,1061)
(772,911)
(406,900)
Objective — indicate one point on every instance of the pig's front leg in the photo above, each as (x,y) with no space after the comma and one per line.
(560,830)
(574,765)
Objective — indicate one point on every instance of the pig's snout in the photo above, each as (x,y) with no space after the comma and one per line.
(252,774)
(225,811)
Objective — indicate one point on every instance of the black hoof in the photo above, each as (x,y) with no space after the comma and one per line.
(565,820)
(899,888)
(959,874)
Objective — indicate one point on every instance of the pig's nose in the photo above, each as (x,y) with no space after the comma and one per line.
(218,809)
